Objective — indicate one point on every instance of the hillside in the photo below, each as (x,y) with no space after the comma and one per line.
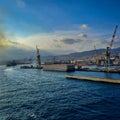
(92,53)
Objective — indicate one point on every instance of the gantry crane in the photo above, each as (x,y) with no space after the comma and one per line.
(38,57)
(108,50)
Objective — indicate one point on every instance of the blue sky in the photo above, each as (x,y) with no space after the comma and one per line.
(47,21)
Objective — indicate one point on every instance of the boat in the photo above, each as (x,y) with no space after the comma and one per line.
(11,63)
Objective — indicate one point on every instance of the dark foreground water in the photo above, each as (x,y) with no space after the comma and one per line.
(39,95)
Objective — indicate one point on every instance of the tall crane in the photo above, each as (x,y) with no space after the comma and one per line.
(38,56)
(108,50)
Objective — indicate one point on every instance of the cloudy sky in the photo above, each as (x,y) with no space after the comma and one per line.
(59,26)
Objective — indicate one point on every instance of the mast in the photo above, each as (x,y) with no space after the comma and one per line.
(38,57)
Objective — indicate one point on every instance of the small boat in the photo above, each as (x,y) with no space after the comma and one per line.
(12,63)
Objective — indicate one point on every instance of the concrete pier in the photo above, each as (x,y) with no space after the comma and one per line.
(59,67)
(110,70)
(105,80)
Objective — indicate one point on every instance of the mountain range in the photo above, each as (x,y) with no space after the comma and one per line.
(82,55)
(92,53)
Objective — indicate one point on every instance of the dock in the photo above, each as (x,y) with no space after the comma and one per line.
(59,67)
(105,80)
(110,70)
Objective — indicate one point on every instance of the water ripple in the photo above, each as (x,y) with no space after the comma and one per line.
(40,95)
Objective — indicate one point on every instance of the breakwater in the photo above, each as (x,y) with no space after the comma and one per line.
(94,79)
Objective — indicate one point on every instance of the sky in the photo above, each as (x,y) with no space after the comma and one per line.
(59,26)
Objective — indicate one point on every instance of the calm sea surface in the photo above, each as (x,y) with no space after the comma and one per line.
(39,95)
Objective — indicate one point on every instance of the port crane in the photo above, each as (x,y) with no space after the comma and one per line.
(108,50)
(38,56)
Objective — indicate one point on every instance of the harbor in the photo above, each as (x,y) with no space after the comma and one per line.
(57,88)
(59,60)
(108,62)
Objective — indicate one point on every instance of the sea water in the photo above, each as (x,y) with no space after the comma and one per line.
(31,94)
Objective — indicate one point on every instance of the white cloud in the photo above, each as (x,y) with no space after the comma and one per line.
(84,26)
(62,42)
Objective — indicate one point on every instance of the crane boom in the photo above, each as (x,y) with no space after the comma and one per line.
(108,50)
(113,37)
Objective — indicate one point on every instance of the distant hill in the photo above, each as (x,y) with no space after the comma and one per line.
(85,54)
(80,55)
(92,53)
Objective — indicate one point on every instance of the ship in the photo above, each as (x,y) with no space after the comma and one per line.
(11,63)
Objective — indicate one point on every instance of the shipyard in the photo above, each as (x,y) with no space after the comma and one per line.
(106,60)
(59,60)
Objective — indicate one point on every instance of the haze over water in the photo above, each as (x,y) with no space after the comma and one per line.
(40,95)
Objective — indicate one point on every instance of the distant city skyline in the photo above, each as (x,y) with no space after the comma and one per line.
(59,26)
